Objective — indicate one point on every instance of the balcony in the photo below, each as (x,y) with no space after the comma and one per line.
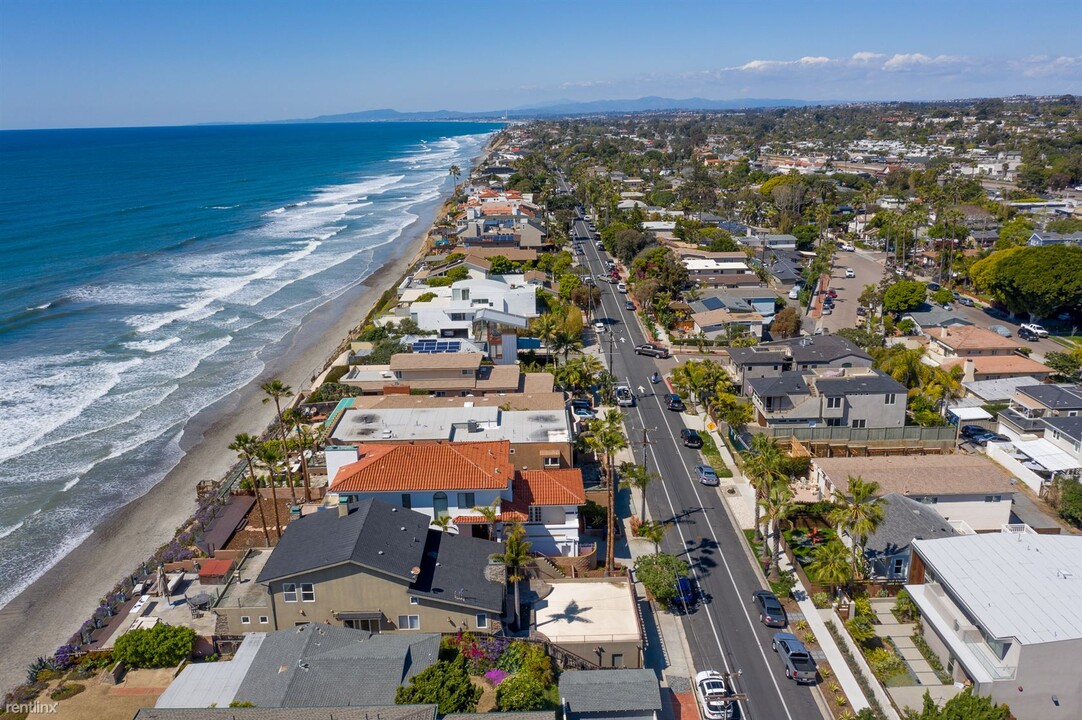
(1023,423)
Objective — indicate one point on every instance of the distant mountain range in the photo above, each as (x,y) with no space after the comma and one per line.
(595,107)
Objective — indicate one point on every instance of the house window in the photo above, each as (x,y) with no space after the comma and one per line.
(264,620)
(617,660)
(289,592)
(835,422)
(930,500)
(833,403)
(552,462)
(439,504)
(482,621)
(889,399)
(245,620)
(860,423)
(415,600)
(467,372)
(993,498)
(308,592)
(535,513)
(409,622)
(466,500)
(407,501)
(899,565)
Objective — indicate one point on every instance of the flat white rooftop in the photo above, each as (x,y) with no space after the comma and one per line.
(588,611)
(463,424)
(1016,585)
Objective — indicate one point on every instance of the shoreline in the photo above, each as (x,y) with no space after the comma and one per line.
(49,610)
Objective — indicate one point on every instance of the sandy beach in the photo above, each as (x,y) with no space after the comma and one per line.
(50,610)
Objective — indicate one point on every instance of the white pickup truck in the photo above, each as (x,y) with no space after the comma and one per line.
(624,396)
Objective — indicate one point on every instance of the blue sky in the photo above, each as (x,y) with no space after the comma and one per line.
(82,63)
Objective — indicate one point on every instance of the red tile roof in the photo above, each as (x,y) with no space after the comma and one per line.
(427,466)
(548,487)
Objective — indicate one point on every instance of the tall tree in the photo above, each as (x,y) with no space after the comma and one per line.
(777,505)
(830,565)
(276,390)
(654,531)
(246,447)
(491,514)
(762,468)
(515,557)
(607,438)
(455,172)
(858,513)
(638,478)
(269,456)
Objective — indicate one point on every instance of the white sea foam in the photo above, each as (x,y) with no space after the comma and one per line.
(43,393)
(70,484)
(4,532)
(63,545)
(152,346)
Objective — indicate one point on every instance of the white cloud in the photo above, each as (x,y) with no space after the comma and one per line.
(909,61)
(866,56)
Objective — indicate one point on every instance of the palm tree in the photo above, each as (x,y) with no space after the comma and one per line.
(443,522)
(905,365)
(276,390)
(762,467)
(830,565)
(305,440)
(455,172)
(777,505)
(858,513)
(654,532)
(246,446)
(606,438)
(269,455)
(546,327)
(515,557)
(637,477)
(491,513)
(566,343)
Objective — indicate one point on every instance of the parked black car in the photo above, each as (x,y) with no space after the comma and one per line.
(673,402)
(771,613)
(690,438)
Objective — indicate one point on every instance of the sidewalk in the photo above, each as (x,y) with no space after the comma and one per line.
(667,653)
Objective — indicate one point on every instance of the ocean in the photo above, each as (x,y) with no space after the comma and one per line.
(143,272)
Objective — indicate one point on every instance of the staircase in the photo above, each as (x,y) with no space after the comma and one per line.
(548,569)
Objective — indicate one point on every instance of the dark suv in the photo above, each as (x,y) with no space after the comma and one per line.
(673,402)
(690,438)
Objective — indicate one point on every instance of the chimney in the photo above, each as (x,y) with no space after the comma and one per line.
(343,506)
(968,370)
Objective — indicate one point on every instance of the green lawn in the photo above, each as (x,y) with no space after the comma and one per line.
(710,452)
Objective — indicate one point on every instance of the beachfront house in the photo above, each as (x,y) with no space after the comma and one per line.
(441,479)
(379,567)
(829,397)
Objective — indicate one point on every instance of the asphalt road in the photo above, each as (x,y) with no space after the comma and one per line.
(723,632)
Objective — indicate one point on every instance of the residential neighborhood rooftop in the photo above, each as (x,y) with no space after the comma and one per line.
(919,476)
(588,609)
(905,520)
(427,466)
(610,692)
(1016,585)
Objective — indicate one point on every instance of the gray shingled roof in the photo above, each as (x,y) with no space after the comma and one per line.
(751,356)
(821,349)
(860,384)
(929,316)
(1055,397)
(370,712)
(454,570)
(375,534)
(787,383)
(525,715)
(609,691)
(321,665)
(1066,425)
(905,520)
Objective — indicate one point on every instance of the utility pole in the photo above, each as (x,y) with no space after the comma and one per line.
(644,442)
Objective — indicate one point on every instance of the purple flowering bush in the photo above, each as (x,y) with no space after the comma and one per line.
(495,676)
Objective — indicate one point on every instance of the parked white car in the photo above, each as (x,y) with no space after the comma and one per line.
(850,273)
(1035,329)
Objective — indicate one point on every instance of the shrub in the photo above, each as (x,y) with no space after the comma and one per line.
(863,607)
(496,676)
(860,630)
(658,573)
(41,670)
(511,660)
(445,684)
(904,607)
(66,690)
(538,665)
(885,663)
(159,646)
(821,600)
(520,692)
